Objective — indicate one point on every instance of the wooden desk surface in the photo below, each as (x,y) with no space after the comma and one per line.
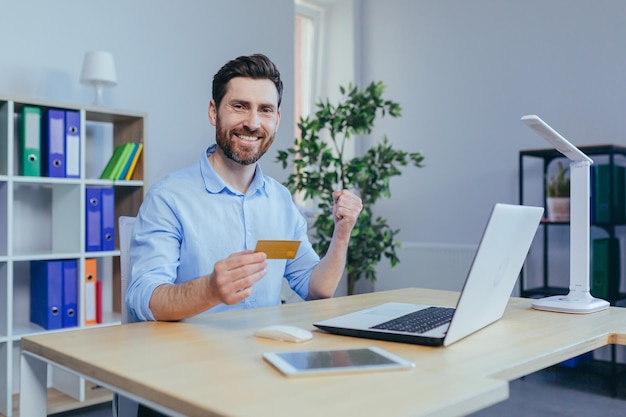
(211,365)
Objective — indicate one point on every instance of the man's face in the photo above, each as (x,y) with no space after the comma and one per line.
(247,119)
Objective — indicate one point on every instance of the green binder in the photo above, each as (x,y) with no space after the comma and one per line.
(603,252)
(127,150)
(601,194)
(116,163)
(30,142)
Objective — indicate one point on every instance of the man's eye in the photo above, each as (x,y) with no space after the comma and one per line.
(238,107)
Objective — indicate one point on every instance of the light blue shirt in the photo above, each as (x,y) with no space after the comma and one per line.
(192,219)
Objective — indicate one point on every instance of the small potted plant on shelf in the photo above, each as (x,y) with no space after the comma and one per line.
(558,194)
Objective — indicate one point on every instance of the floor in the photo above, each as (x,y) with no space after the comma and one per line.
(555,392)
(561,392)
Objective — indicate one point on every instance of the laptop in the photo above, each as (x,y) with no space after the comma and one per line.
(488,286)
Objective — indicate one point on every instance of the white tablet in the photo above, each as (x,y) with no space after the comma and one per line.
(315,362)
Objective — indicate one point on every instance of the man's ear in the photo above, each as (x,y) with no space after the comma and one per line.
(212,112)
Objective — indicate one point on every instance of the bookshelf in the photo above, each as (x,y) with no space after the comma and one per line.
(44,218)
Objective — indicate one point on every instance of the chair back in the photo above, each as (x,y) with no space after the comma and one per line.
(122,406)
(125,224)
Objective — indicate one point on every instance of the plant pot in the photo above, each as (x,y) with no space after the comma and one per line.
(558,209)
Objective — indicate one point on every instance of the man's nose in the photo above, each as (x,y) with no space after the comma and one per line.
(253,121)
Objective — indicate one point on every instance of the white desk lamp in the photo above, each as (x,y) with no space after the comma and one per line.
(98,71)
(579,300)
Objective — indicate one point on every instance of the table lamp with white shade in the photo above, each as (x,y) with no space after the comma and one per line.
(98,71)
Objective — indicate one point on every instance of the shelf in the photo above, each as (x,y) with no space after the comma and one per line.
(551,153)
(49,255)
(44,219)
(544,292)
(554,223)
(26,328)
(61,403)
(534,168)
(607,227)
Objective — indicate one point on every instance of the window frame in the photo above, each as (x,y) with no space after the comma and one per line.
(316,14)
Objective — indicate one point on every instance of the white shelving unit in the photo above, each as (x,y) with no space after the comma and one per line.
(43,218)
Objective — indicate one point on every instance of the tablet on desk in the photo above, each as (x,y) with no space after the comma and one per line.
(316,362)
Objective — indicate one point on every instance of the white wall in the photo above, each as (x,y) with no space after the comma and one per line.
(464,73)
(166,54)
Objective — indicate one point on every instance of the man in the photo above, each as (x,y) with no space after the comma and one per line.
(193,243)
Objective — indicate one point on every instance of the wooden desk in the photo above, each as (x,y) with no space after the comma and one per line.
(211,365)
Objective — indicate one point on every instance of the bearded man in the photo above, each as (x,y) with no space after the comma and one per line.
(192,247)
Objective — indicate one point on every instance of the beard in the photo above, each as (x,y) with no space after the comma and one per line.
(241,154)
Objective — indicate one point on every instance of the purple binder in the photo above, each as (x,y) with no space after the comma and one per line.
(108,218)
(53,144)
(46,298)
(93,218)
(70,293)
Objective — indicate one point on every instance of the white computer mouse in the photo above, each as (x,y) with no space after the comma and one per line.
(284,333)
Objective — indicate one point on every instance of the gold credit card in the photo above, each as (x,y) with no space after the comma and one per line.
(278,249)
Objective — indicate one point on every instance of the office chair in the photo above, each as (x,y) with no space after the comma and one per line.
(123,406)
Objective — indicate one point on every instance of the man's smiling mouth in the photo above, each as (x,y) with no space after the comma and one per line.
(247,138)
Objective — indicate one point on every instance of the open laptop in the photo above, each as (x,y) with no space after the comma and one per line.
(488,286)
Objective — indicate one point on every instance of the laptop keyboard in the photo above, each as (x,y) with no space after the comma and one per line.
(419,321)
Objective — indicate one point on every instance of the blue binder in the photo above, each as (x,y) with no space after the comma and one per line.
(93,219)
(72,144)
(46,294)
(70,293)
(53,144)
(108,218)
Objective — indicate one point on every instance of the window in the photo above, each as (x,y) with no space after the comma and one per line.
(308,22)
(307,35)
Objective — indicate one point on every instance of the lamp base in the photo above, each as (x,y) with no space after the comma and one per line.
(576,302)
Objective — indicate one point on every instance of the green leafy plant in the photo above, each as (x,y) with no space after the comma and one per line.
(321,166)
(558,185)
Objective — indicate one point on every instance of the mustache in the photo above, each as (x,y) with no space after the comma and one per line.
(246,131)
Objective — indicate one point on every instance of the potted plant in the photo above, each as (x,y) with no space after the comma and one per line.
(320,166)
(558,194)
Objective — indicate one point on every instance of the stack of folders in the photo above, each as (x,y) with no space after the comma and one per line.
(100,219)
(49,142)
(123,162)
(54,293)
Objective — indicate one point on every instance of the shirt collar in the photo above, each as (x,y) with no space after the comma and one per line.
(215,184)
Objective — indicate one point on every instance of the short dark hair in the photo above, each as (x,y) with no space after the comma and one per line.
(257,66)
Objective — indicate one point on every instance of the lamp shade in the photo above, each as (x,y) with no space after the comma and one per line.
(98,69)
